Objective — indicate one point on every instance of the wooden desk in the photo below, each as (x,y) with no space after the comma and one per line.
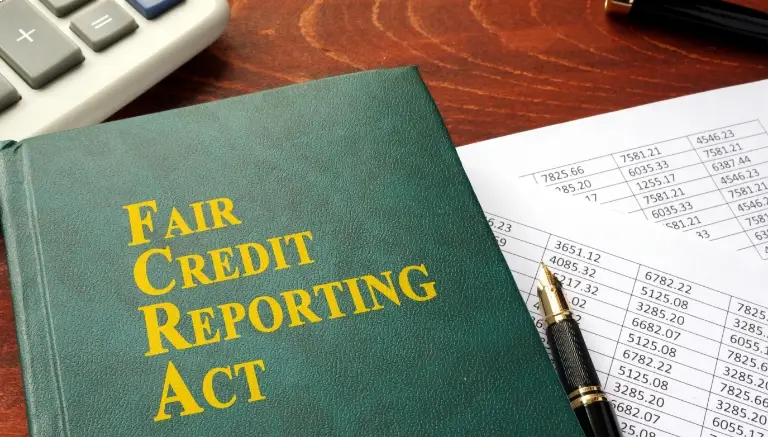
(495,67)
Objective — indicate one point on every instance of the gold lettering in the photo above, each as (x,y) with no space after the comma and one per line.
(138,223)
(201,324)
(189,272)
(301,246)
(277,250)
(388,290)
(245,254)
(181,395)
(230,319)
(296,310)
(357,297)
(155,331)
(250,376)
(141,276)
(221,209)
(255,317)
(197,208)
(405,285)
(221,267)
(176,221)
(210,394)
(330,298)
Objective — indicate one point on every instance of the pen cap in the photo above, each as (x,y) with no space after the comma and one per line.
(728,18)
(574,366)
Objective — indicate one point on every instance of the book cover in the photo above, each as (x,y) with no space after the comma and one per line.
(304,261)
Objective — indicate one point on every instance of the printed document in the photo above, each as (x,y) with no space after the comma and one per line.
(679,335)
(697,164)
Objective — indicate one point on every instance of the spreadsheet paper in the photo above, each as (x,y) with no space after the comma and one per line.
(698,164)
(679,335)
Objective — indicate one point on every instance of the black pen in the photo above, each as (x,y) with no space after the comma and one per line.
(572,361)
(717,15)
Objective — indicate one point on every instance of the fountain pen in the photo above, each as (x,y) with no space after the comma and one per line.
(572,362)
(725,18)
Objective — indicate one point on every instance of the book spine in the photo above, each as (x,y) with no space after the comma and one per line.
(46,413)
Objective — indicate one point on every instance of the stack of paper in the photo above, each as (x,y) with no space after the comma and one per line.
(678,329)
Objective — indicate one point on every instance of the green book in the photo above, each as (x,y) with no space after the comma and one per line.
(304,261)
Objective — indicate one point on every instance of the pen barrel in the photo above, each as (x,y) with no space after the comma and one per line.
(713,14)
(598,419)
(572,361)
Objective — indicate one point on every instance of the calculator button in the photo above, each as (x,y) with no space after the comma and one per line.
(61,8)
(35,48)
(8,94)
(103,24)
(153,8)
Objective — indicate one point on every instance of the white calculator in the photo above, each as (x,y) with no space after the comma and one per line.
(72,63)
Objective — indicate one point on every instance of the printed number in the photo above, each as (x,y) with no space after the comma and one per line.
(561,174)
(714,137)
(668,282)
(499,225)
(631,430)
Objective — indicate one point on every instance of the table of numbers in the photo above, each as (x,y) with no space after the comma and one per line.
(676,358)
(713,184)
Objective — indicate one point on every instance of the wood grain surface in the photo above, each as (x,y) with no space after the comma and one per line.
(495,67)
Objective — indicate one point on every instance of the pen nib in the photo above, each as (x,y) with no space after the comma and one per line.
(551,297)
(545,278)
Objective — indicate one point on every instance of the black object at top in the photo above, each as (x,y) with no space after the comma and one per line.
(728,18)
